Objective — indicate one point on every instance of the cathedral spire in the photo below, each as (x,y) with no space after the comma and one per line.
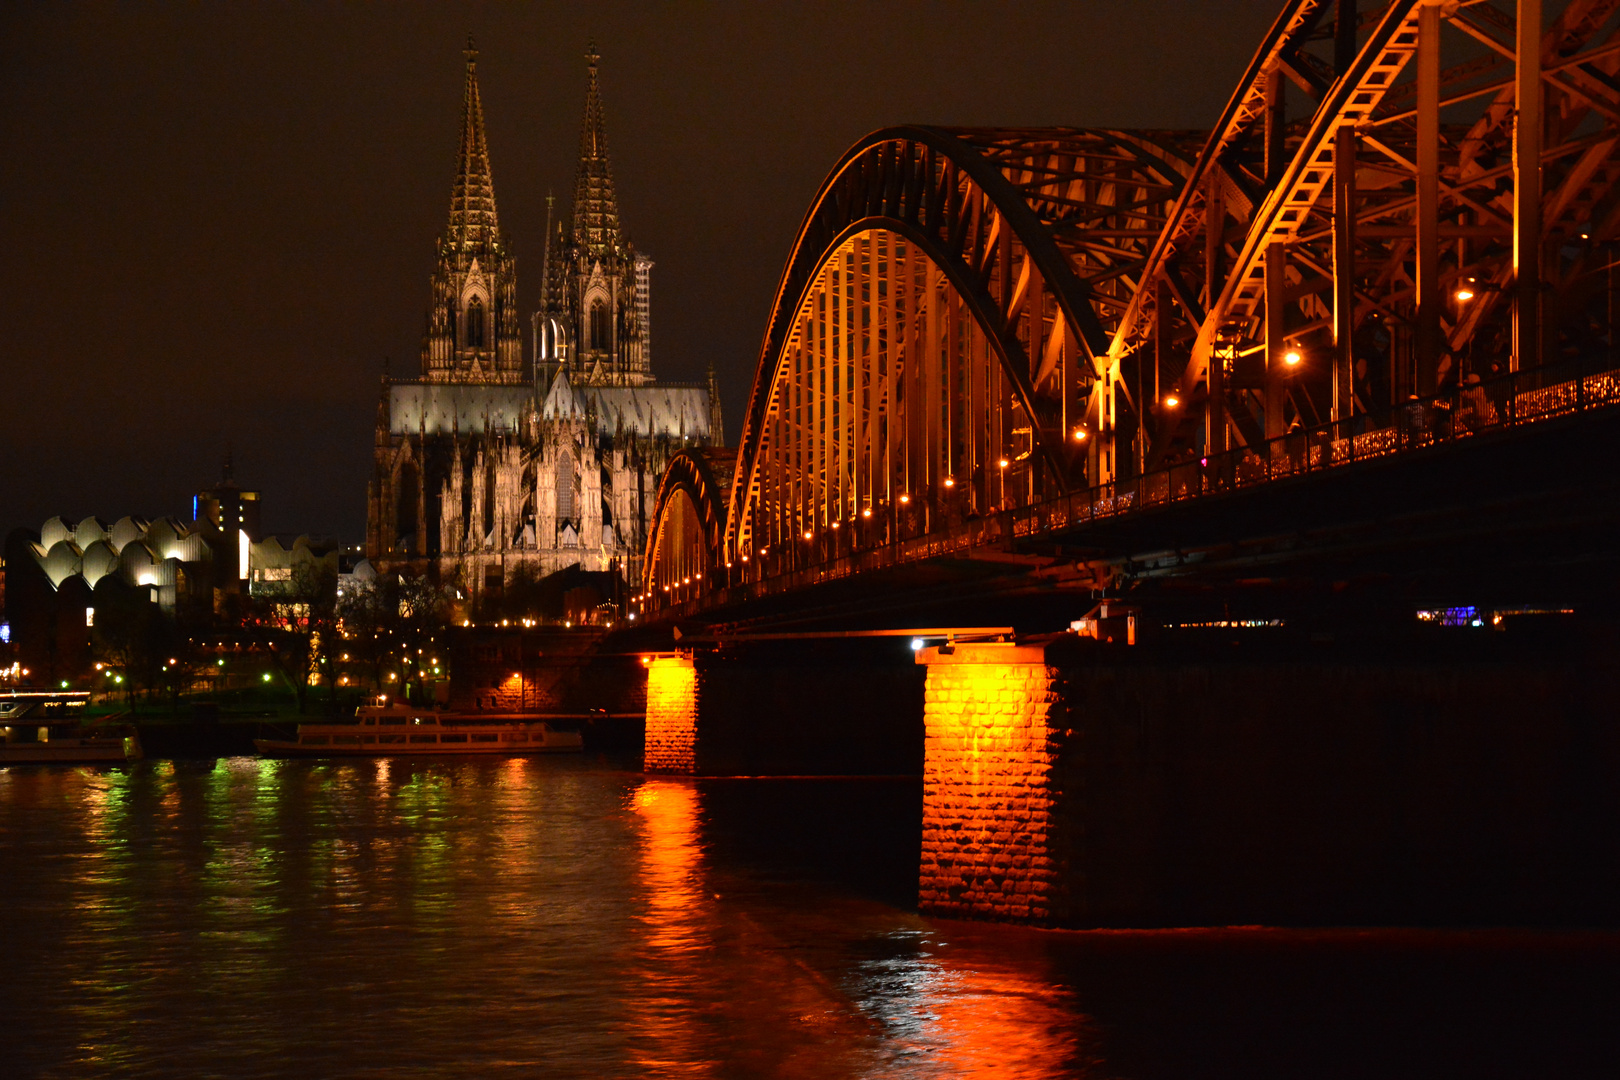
(596,209)
(472,200)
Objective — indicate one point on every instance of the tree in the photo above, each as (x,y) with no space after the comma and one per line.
(394,627)
(297,623)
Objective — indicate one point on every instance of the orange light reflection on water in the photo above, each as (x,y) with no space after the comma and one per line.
(984,1021)
(670,858)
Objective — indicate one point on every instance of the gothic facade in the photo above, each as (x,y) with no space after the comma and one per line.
(493,464)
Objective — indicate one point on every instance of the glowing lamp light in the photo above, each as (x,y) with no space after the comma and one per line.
(867,512)
(905,498)
(1003,463)
(1464,294)
(836,524)
(1292,358)
(808,534)
(1079,434)
(267,676)
(646,660)
(1172,401)
(950,481)
(916,644)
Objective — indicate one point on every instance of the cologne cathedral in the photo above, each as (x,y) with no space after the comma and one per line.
(494,463)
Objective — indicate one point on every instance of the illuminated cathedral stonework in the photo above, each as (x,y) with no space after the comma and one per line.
(493,464)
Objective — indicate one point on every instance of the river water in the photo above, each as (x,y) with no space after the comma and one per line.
(562,917)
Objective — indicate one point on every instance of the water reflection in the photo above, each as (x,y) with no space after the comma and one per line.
(561,918)
(946,1011)
(665,1038)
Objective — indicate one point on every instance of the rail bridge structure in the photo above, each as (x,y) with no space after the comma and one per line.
(1085,357)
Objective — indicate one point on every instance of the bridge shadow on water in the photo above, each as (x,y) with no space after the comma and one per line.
(862,836)
(939,997)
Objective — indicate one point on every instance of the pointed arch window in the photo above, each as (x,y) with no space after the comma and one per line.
(475,323)
(599,325)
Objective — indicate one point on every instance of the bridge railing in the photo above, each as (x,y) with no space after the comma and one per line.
(1460,413)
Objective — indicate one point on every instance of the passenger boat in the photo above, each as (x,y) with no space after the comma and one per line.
(49,726)
(387,730)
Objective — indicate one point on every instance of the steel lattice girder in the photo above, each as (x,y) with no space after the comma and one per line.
(702,476)
(1475,219)
(1062,218)
(1126,244)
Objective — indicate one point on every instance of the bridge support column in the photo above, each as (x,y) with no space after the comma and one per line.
(672,713)
(1423,781)
(990,713)
(785,710)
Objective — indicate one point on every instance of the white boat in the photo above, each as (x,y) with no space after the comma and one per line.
(389,730)
(49,726)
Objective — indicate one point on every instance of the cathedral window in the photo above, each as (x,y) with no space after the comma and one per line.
(475,323)
(565,487)
(599,325)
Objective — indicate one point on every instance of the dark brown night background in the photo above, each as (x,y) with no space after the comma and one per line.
(219,220)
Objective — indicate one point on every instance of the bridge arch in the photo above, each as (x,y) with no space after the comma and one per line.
(1043,327)
(684,546)
(938,342)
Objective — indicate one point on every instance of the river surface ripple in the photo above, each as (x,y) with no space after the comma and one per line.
(566,918)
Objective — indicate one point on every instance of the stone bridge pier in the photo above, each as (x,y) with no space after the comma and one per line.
(1072,782)
(795,709)
(1079,784)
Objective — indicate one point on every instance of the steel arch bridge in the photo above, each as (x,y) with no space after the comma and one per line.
(1400,230)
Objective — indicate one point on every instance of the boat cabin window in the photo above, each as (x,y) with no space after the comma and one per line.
(44,734)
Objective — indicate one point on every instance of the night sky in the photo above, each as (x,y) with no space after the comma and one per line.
(217,220)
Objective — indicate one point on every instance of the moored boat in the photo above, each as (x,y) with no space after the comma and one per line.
(48,726)
(399,729)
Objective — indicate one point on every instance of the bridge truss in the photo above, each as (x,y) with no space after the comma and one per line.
(1399,202)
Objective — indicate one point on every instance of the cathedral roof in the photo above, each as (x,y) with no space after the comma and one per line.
(441,408)
(473,221)
(596,208)
(674,411)
(470,408)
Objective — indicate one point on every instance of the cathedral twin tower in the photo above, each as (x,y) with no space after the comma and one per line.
(593,303)
(494,465)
